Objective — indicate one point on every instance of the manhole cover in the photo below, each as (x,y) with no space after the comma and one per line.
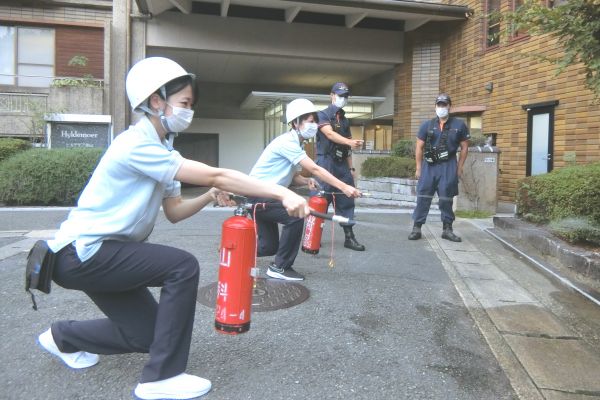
(269,295)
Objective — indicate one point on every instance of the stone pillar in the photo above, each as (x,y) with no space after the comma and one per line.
(119,50)
(479,184)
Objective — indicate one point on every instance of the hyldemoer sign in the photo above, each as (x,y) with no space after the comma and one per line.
(78,130)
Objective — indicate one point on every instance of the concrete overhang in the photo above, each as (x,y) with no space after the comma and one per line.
(411,13)
(357,107)
(259,100)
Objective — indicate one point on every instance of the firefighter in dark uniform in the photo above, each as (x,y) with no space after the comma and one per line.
(334,145)
(437,168)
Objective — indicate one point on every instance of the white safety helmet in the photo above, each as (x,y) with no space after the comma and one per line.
(149,75)
(297,108)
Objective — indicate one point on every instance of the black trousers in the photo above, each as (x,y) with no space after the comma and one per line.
(343,204)
(117,278)
(285,248)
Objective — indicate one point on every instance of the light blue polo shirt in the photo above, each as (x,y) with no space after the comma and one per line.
(279,161)
(123,197)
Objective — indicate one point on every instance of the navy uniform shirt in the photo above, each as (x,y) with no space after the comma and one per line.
(332,115)
(456,128)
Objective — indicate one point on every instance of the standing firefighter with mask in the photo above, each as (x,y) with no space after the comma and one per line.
(281,163)
(334,146)
(101,248)
(437,169)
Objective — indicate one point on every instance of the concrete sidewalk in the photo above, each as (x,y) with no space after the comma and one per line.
(429,319)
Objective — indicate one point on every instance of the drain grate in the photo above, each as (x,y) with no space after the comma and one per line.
(268,295)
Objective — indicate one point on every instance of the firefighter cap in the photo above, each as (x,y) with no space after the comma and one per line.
(443,98)
(340,88)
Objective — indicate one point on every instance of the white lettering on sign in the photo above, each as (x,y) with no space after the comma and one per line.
(489,160)
(225,257)
(222,290)
(75,134)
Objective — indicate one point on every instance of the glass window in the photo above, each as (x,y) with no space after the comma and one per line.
(28,53)
(473,121)
(35,64)
(517,32)
(376,137)
(493,23)
(7,55)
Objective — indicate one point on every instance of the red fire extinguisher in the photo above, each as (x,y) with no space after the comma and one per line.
(236,272)
(311,242)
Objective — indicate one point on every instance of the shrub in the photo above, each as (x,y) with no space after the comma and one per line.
(8,147)
(567,194)
(396,167)
(404,148)
(46,177)
(576,230)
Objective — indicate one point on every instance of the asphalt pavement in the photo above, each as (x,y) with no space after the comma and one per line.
(426,319)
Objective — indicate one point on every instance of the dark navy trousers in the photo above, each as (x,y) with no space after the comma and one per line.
(343,205)
(117,279)
(441,178)
(269,214)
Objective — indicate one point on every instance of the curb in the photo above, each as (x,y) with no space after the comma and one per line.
(586,263)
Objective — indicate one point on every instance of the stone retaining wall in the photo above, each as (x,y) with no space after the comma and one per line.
(398,192)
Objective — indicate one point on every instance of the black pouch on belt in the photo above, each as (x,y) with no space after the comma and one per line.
(38,273)
(340,152)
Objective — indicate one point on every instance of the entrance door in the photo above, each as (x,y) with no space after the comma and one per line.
(540,132)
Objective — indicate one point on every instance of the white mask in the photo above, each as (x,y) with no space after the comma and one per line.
(441,112)
(179,121)
(308,130)
(340,101)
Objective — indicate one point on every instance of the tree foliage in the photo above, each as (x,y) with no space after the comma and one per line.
(576,24)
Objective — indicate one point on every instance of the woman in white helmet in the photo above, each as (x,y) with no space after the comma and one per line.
(101,249)
(281,163)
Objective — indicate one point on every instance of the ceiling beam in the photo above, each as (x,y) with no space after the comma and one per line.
(185,6)
(353,19)
(224,7)
(412,24)
(291,13)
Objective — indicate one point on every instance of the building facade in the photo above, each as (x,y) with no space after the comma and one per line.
(253,56)
(540,120)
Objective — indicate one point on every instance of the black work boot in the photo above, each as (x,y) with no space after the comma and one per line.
(448,234)
(350,241)
(416,232)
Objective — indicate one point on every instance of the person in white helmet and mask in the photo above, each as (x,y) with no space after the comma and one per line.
(101,248)
(281,163)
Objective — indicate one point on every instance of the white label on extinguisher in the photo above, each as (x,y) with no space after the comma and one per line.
(222,314)
(225,257)
(222,290)
(310,225)
(242,314)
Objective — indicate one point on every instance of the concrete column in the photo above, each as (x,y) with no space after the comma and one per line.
(120,38)
(138,43)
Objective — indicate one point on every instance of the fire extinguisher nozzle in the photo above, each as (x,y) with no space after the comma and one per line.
(340,219)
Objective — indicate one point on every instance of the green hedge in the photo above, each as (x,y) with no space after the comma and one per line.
(9,147)
(395,167)
(46,177)
(567,198)
(404,148)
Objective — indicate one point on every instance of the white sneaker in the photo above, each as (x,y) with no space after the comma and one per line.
(77,360)
(182,386)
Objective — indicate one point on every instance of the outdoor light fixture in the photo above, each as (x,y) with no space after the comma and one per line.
(489,87)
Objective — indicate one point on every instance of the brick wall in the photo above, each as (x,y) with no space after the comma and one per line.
(518,79)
